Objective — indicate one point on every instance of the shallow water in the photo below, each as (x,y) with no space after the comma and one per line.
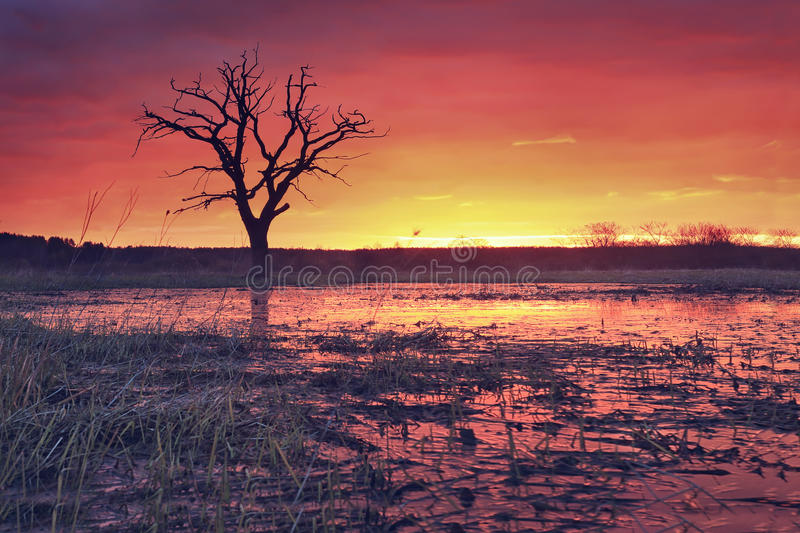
(638,437)
(587,312)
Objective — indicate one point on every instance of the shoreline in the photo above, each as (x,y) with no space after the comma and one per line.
(726,279)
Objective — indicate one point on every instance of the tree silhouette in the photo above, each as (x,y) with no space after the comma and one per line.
(703,234)
(783,237)
(656,233)
(227,115)
(600,234)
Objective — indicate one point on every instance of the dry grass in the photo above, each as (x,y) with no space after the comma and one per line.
(158,432)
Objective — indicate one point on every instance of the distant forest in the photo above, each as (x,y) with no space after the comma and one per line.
(36,253)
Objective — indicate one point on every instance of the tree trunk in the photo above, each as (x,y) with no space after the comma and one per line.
(259,280)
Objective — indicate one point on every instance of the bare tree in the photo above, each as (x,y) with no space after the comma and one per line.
(702,234)
(600,235)
(226,115)
(655,233)
(745,235)
(783,237)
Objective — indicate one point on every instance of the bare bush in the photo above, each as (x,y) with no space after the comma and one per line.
(744,236)
(702,234)
(782,237)
(654,233)
(599,235)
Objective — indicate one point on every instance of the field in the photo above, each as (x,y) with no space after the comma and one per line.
(549,407)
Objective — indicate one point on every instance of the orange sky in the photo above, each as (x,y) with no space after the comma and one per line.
(509,120)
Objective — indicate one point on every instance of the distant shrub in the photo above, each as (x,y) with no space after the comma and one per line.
(654,233)
(600,235)
(703,234)
(744,235)
(783,237)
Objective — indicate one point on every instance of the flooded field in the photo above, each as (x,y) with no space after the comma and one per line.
(543,408)
(584,312)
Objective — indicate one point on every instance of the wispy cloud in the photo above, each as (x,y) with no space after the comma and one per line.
(732,178)
(433,198)
(742,178)
(775,143)
(558,139)
(465,204)
(612,194)
(684,192)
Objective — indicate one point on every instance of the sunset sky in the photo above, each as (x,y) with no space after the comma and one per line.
(509,121)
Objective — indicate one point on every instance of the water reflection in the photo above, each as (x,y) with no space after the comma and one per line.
(581,312)
(259,313)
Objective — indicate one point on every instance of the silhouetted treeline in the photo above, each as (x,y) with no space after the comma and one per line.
(55,252)
(37,253)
